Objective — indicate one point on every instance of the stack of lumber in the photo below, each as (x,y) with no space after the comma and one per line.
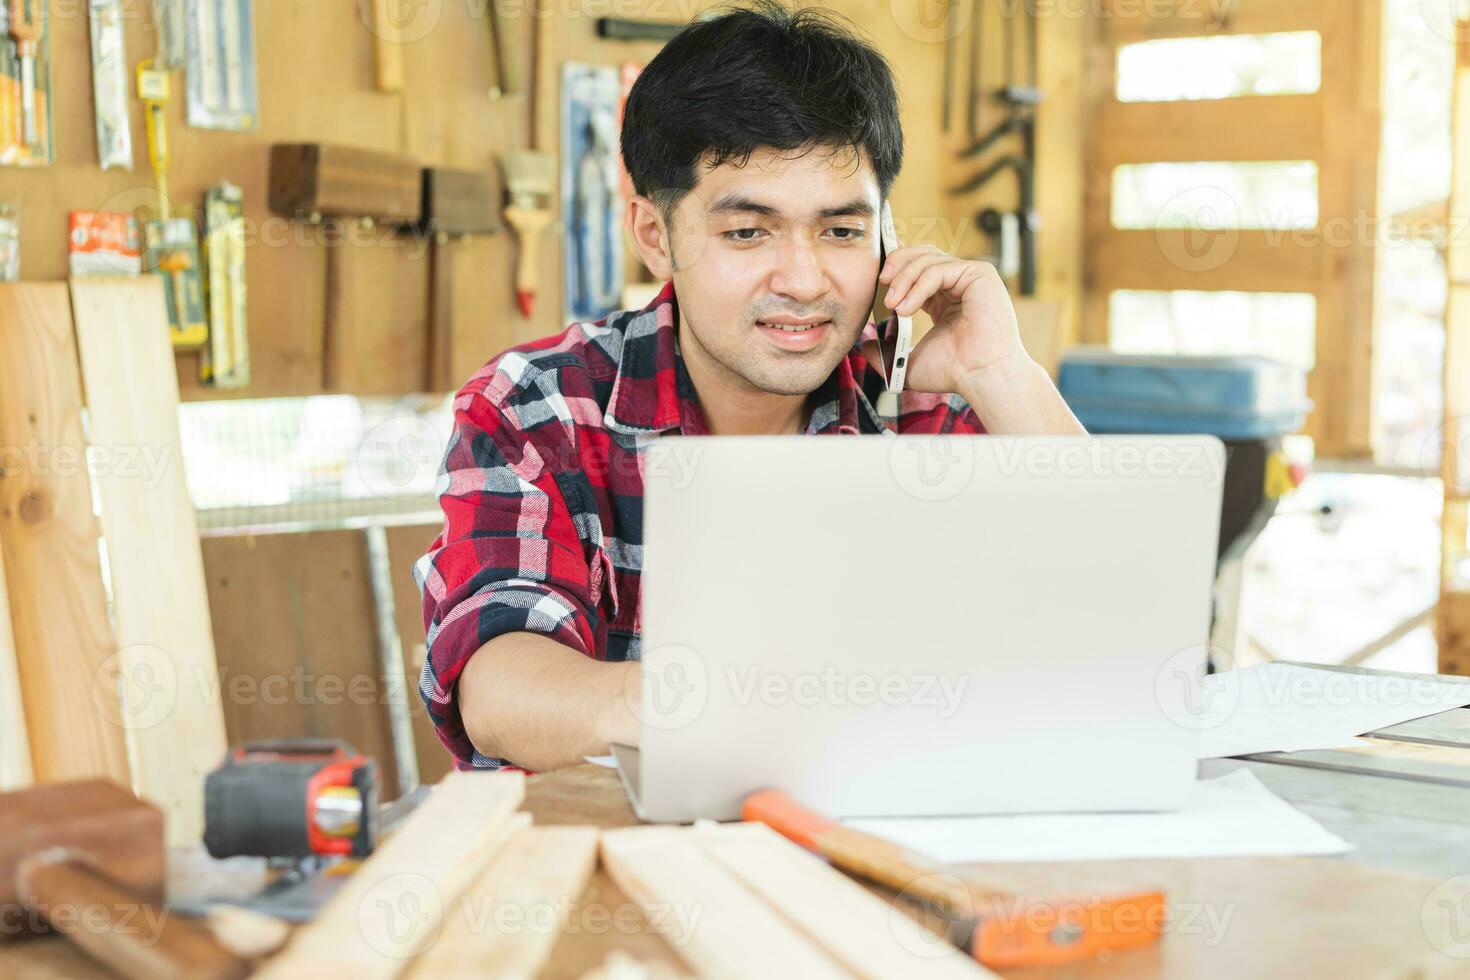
(720,886)
(468,887)
(89,397)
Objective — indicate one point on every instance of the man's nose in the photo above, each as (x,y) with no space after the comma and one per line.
(800,274)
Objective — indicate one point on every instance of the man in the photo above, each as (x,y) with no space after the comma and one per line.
(762,145)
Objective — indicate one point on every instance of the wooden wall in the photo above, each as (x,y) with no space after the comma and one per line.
(1338,127)
(296,636)
(316,84)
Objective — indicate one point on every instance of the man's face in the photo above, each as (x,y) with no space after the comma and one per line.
(775,264)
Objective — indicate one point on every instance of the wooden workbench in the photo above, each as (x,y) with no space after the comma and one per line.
(1395,907)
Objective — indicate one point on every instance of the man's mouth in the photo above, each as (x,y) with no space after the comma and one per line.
(793,326)
(795,333)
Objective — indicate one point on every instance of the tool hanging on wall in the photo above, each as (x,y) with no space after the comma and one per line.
(103,243)
(25,29)
(951,22)
(530,175)
(171,23)
(1011,247)
(593,253)
(226,359)
(110,85)
(507,77)
(528,183)
(220,73)
(154,91)
(338,187)
(25,84)
(457,204)
(172,250)
(1004,229)
(621,29)
(387,48)
(976,90)
(171,245)
(9,243)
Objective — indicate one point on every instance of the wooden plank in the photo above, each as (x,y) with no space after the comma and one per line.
(1277,127)
(295,636)
(1347,187)
(505,924)
(1126,21)
(406,544)
(1174,258)
(377,312)
(847,920)
(64,644)
(175,726)
(1060,166)
(664,867)
(480,330)
(392,907)
(15,745)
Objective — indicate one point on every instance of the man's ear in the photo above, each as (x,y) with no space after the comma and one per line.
(654,243)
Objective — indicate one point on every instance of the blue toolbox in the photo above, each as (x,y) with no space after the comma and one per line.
(1229,397)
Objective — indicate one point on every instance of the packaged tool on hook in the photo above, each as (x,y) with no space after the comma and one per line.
(110,85)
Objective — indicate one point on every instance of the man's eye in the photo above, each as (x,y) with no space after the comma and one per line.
(845,234)
(744,234)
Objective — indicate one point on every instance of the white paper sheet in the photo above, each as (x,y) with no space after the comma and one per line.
(1231,816)
(1289,708)
(605,761)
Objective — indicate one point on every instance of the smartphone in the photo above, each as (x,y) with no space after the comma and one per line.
(895,333)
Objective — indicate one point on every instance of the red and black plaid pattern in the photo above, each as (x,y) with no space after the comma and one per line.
(542,491)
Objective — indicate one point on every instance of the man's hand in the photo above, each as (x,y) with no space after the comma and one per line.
(974,349)
(974,321)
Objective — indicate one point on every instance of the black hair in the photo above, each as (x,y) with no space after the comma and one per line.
(762,76)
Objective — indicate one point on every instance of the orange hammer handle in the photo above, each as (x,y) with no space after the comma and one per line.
(998,930)
(861,853)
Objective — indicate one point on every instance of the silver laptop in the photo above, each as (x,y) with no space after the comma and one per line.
(923,625)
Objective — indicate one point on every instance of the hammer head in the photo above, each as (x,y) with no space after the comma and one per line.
(107,826)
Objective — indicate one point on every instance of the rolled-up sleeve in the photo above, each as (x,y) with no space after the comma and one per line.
(508,558)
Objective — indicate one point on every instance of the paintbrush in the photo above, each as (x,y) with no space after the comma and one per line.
(528,183)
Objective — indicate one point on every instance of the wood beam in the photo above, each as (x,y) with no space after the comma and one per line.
(1128,21)
(1181,258)
(1278,127)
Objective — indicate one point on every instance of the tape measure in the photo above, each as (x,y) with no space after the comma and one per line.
(292,798)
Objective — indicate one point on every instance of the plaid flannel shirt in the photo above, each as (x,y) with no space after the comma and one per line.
(542,491)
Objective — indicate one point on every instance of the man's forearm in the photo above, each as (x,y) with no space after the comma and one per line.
(1015,396)
(533,701)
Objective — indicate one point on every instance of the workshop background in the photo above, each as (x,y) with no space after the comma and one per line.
(1245,178)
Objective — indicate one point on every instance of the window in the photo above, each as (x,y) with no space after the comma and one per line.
(1281,326)
(1220,67)
(1278,195)
(324,459)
